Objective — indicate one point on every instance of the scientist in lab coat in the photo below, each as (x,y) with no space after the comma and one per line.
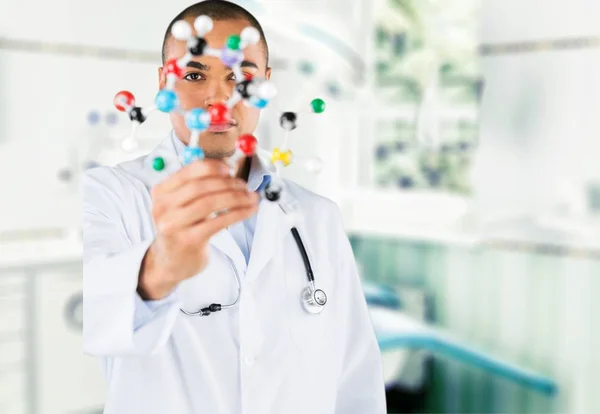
(152,248)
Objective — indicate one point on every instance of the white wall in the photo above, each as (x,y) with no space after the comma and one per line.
(539,128)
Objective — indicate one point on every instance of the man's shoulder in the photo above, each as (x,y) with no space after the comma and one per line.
(135,171)
(311,202)
(121,177)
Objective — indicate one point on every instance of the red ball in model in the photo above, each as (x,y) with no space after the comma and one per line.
(247,144)
(124,100)
(219,114)
(173,68)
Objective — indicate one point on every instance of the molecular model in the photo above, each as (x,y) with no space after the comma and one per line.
(281,157)
(253,91)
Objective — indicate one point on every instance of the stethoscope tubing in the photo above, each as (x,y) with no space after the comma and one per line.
(215,307)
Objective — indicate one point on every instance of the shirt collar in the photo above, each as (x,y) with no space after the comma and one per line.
(258,178)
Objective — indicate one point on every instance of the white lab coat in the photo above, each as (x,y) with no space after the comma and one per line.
(267,356)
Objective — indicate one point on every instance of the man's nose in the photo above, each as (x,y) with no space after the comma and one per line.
(218,92)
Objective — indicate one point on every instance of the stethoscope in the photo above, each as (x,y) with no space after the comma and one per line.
(313,300)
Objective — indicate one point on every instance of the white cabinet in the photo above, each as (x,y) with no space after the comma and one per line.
(42,366)
(14,362)
(67,381)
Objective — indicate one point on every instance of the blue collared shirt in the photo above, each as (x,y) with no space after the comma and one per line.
(242,232)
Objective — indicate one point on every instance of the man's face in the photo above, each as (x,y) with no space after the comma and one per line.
(206,81)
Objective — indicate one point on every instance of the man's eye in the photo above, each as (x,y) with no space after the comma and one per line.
(232,76)
(192,76)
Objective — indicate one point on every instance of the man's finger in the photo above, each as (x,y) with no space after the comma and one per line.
(197,169)
(202,187)
(210,227)
(203,207)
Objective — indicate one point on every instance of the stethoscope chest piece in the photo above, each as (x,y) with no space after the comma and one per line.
(313,300)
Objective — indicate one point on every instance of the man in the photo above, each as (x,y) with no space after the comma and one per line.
(153,249)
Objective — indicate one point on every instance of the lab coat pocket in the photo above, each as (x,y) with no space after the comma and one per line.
(309,332)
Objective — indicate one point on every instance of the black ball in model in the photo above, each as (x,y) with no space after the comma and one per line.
(242,88)
(288,121)
(272,194)
(136,114)
(65,175)
(199,47)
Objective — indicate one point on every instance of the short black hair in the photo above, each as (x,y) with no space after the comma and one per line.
(217,10)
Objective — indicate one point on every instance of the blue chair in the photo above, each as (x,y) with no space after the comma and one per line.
(396,330)
(381,295)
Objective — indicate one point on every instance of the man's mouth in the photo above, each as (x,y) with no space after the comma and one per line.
(222,127)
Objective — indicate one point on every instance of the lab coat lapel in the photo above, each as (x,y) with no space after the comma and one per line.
(225,242)
(272,225)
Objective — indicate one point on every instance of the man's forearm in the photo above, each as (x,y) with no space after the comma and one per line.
(153,283)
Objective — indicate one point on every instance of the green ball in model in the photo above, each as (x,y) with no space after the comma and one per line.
(158,164)
(233,42)
(318,105)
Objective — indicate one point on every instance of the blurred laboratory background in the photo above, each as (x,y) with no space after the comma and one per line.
(461,141)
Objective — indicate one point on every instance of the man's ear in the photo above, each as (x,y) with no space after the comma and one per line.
(268,73)
(161,79)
